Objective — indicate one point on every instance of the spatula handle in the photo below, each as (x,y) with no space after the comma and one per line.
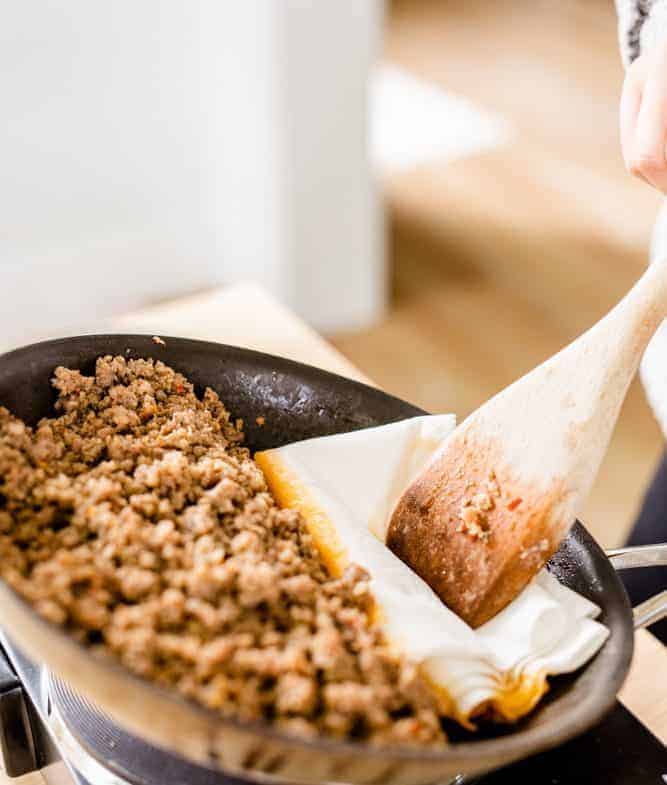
(645,306)
(617,342)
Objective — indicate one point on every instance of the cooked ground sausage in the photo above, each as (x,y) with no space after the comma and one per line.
(137,520)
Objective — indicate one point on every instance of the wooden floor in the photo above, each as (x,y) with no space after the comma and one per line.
(501,259)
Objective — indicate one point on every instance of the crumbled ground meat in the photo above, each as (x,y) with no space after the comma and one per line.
(138,521)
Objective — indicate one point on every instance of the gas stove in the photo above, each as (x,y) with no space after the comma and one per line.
(47,727)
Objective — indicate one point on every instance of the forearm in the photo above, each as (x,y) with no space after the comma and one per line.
(640,23)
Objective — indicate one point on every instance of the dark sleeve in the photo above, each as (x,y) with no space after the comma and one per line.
(633,15)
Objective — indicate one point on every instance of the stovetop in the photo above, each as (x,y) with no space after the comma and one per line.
(46,726)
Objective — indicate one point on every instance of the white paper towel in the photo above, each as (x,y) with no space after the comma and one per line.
(353,481)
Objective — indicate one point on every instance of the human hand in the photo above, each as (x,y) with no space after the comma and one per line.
(643,116)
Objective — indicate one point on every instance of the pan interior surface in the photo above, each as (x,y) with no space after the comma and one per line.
(297,402)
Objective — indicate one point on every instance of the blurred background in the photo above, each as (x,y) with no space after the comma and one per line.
(435,185)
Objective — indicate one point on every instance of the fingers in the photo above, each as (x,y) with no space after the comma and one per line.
(648,142)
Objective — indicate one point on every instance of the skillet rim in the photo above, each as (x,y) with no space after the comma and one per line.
(525,742)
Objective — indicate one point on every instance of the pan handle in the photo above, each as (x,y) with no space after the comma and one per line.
(655,609)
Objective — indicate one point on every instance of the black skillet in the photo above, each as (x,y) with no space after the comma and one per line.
(297,402)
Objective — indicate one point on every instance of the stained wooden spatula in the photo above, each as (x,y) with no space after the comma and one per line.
(506,486)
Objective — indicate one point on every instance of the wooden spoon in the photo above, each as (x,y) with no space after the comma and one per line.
(504,489)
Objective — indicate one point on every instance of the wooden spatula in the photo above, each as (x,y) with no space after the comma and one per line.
(506,486)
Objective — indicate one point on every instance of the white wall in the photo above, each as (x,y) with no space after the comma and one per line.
(105,181)
(153,148)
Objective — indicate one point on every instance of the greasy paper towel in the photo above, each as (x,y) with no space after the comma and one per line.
(346,486)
